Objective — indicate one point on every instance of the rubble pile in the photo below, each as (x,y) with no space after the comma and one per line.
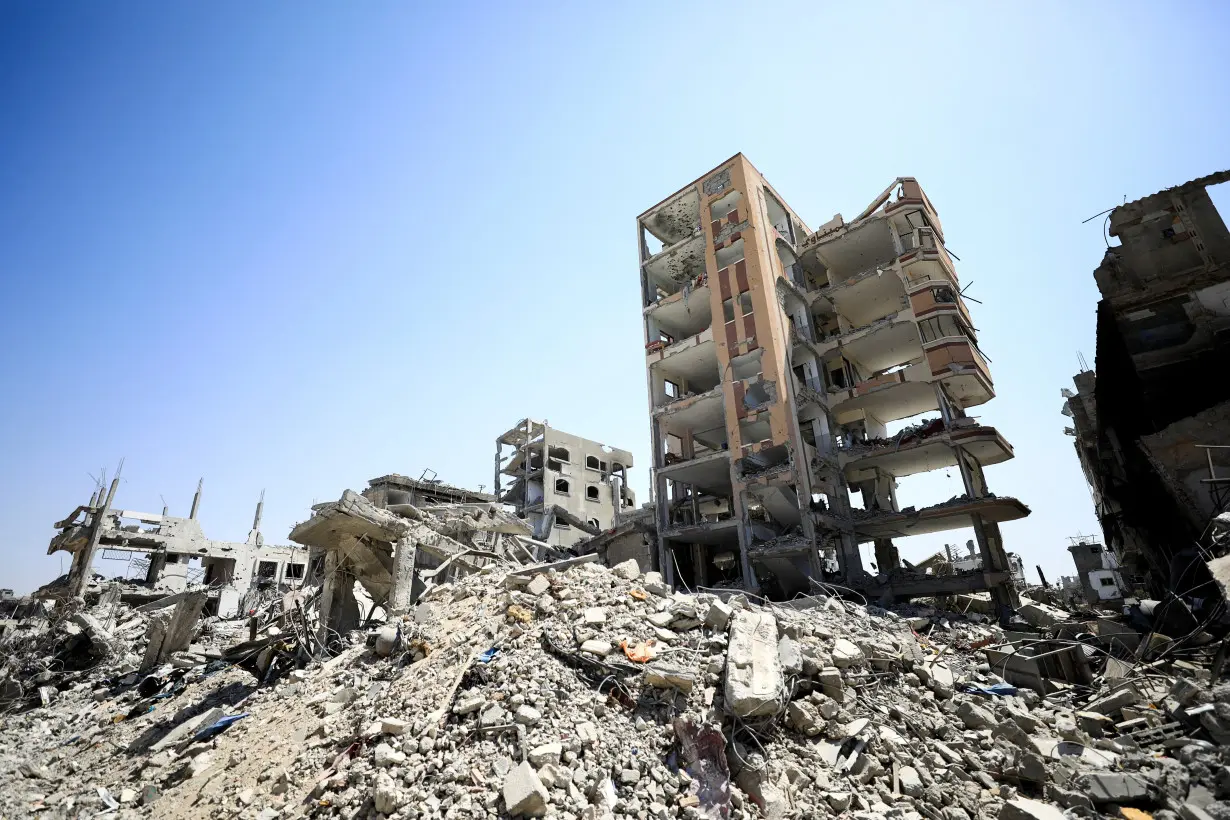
(568,689)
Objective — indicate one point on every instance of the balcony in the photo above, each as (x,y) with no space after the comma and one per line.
(950,515)
(703,415)
(685,312)
(933,452)
(959,363)
(709,473)
(878,346)
(675,267)
(690,365)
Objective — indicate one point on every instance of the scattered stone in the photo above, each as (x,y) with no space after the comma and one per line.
(524,793)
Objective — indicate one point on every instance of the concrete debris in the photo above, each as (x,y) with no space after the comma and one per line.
(512,688)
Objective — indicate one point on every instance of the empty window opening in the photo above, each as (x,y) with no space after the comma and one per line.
(745,303)
(602,466)
(616,466)
(593,522)
(731,254)
(267,570)
(728,310)
(294,572)
(944,296)
(561,486)
(747,365)
(754,430)
(1106,582)
(592,462)
(650,244)
(943,327)
(558,453)
(757,394)
(671,389)
(721,208)
(591,492)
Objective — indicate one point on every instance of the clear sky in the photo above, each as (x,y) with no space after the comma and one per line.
(296,246)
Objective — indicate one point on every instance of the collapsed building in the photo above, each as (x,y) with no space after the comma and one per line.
(776,357)
(1151,422)
(384,548)
(568,488)
(176,555)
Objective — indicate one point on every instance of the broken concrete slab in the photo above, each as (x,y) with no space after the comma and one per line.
(754,682)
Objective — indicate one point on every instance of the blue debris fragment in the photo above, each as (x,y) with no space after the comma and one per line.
(216,728)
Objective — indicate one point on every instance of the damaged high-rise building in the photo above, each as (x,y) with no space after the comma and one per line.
(1152,422)
(568,488)
(776,358)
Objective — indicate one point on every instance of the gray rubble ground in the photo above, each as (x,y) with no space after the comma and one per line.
(836,709)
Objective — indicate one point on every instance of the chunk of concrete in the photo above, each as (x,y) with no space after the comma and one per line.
(975,716)
(846,654)
(669,677)
(524,794)
(718,616)
(628,570)
(1041,615)
(538,585)
(1025,809)
(654,585)
(831,683)
(1114,787)
(754,681)
(597,647)
(546,753)
(910,783)
(790,656)
(1114,702)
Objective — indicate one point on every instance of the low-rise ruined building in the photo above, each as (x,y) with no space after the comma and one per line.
(568,488)
(1151,423)
(177,555)
(777,357)
(1097,571)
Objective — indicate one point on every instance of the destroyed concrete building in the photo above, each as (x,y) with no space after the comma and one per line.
(567,487)
(776,357)
(175,553)
(1097,572)
(379,551)
(1151,423)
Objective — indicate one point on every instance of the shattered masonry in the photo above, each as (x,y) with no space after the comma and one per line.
(568,689)
(775,357)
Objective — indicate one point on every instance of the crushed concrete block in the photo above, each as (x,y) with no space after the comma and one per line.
(654,585)
(831,684)
(718,616)
(527,715)
(846,654)
(1024,809)
(1113,787)
(1041,615)
(975,716)
(597,647)
(629,570)
(910,783)
(524,794)
(669,677)
(546,753)
(754,681)
(538,585)
(468,703)
(790,656)
(1114,702)
(393,726)
(595,616)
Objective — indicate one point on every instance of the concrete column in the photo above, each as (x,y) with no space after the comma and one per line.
(327,592)
(400,596)
(157,563)
(79,574)
(887,557)
(739,510)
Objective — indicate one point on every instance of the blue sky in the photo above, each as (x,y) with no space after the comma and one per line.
(293,246)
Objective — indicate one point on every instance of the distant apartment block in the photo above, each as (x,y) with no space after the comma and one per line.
(776,356)
(567,487)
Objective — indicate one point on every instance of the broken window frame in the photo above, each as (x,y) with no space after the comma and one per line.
(595,496)
(566,486)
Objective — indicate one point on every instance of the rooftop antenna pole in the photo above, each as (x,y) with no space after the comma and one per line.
(196,499)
